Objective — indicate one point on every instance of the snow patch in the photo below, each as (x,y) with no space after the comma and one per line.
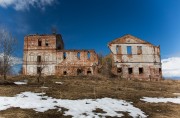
(76,108)
(20,83)
(164,100)
(59,83)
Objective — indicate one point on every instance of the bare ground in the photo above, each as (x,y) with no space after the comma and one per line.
(94,87)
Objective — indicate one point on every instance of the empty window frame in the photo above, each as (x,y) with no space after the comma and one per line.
(129,49)
(130,70)
(47,43)
(139,50)
(119,70)
(141,70)
(38,58)
(118,49)
(39,42)
(64,55)
(88,55)
(78,55)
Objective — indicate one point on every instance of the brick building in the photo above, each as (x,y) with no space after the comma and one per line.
(135,58)
(47,52)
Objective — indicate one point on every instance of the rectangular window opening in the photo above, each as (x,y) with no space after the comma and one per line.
(118,49)
(141,71)
(38,58)
(39,43)
(130,70)
(129,50)
(139,50)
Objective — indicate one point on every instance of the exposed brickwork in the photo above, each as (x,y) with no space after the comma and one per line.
(142,59)
(49,49)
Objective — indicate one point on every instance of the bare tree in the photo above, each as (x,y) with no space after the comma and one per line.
(7,47)
(41,65)
(106,65)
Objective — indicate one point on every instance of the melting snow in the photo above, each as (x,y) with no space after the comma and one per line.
(76,108)
(165,100)
(58,82)
(20,83)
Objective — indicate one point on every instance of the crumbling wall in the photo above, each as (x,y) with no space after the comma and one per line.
(76,62)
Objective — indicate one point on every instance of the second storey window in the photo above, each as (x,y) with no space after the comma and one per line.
(139,50)
(129,50)
(39,42)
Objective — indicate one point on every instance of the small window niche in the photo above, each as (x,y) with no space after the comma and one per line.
(130,71)
(129,50)
(64,55)
(139,50)
(141,70)
(78,55)
(39,42)
(119,70)
(47,43)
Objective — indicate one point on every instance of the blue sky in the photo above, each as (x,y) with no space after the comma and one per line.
(91,24)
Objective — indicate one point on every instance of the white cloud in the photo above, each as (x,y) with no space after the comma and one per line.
(20,5)
(171,67)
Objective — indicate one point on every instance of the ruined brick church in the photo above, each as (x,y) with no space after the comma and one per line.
(46,53)
(131,58)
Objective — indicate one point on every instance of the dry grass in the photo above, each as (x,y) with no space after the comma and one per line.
(96,87)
